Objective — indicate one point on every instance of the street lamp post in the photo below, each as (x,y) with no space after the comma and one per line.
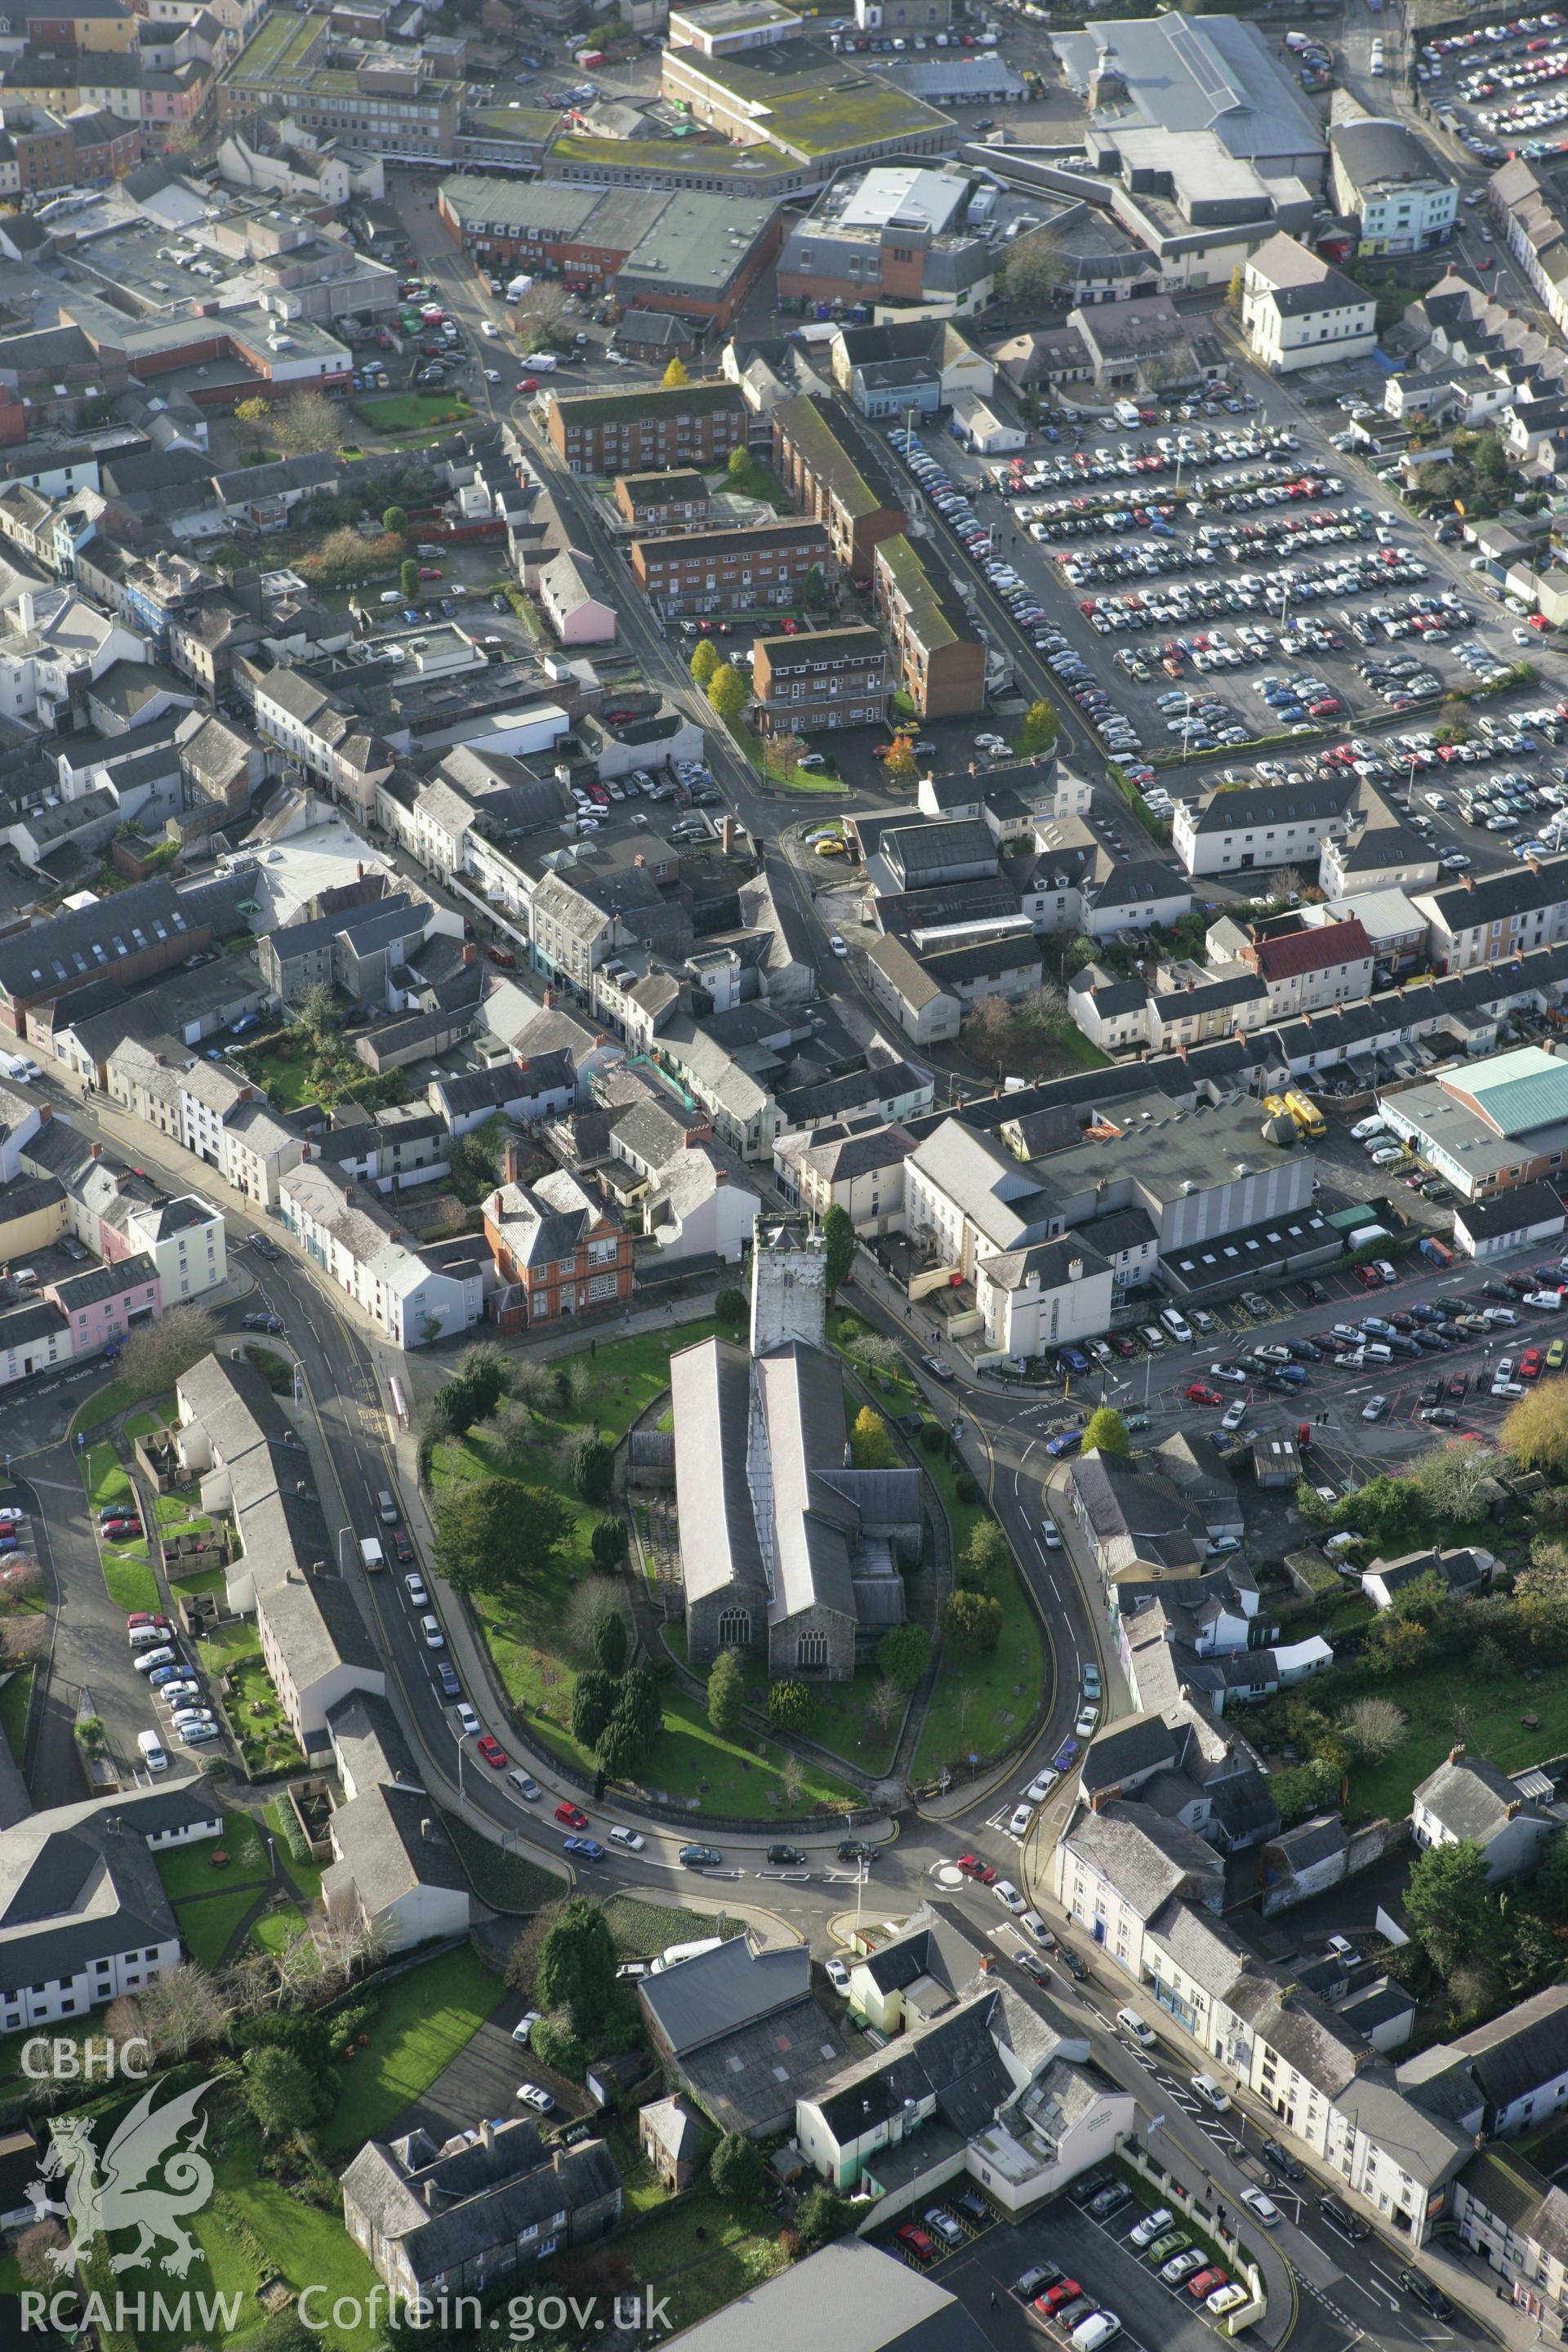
(457,1736)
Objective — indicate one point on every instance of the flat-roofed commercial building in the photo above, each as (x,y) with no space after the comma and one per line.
(1499,1123)
(830,677)
(732,571)
(941,659)
(386,98)
(679,250)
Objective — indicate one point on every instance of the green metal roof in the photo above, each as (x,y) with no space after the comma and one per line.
(1517,1092)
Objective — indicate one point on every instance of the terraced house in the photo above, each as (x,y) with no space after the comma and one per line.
(628,432)
(732,571)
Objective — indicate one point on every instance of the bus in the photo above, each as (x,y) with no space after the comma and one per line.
(1306,1114)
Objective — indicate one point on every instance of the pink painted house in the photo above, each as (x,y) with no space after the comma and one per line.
(102,1303)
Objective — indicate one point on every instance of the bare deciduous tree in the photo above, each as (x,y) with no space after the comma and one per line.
(988,1031)
(1450,1478)
(1373,1728)
(542,310)
(595,1597)
(154,1356)
(305,424)
(22,1580)
(792,1779)
(884,1700)
(23,1640)
(183,2010)
(36,2248)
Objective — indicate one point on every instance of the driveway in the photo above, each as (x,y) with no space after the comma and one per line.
(482,2080)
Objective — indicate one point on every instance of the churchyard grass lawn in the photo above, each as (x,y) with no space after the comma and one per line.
(423,2018)
(527,1632)
(979,1704)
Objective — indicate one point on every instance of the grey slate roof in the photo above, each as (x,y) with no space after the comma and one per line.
(877,2304)
(715,1993)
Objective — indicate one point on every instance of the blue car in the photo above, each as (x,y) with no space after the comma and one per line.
(446,1676)
(175,1673)
(1066,1441)
(1065,1755)
(586,1849)
(1074,1358)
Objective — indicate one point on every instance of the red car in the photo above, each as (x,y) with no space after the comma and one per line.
(141,1617)
(1529,1364)
(491,1750)
(1368,1277)
(572,1815)
(403,1548)
(529,384)
(1206,2283)
(1199,1393)
(973,1867)
(1065,2291)
(429,572)
(119,1530)
(790,626)
(1460,1387)
(915,2242)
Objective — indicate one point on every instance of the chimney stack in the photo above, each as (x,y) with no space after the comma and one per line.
(470,953)
(727,834)
(512,1160)
(96,1150)
(549,998)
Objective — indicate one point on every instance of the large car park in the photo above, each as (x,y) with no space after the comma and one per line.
(1162,566)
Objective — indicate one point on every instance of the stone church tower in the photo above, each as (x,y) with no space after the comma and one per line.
(789,1284)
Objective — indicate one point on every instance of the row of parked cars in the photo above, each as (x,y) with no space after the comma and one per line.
(172,1680)
(1175,453)
(943,2229)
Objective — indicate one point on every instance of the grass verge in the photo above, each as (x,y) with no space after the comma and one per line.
(208,1921)
(16,1697)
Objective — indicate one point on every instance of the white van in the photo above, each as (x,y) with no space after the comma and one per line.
(1177,1325)
(148,1637)
(673,1954)
(1364,1236)
(154,1755)
(371,1553)
(1100,2328)
(1365,1128)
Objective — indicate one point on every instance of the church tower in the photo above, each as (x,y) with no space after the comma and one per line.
(789,1284)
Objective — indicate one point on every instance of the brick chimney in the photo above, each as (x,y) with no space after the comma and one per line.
(96,1150)
(549,998)
(349,1194)
(470,953)
(1456,1752)
(512,1160)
